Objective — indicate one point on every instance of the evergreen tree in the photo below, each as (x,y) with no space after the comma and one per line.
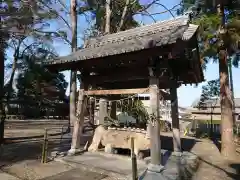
(210,95)
(21,20)
(40,90)
(219,36)
(28,25)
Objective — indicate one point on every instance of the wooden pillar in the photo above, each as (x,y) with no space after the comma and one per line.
(102,110)
(175,120)
(154,124)
(92,110)
(113,110)
(79,122)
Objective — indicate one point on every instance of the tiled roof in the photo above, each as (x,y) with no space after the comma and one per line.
(162,33)
(215,103)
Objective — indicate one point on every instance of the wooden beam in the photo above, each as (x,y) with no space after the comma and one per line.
(115,76)
(134,84)
(164,94)
(137,71)
(116,91)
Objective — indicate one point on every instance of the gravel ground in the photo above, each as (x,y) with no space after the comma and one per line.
(22,159)
(213,166)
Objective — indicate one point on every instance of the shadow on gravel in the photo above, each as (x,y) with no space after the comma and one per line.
(28,150)
(31,149)
(235,166)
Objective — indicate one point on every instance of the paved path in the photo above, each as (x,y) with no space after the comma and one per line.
(6,176)
(77,174)
(120,165)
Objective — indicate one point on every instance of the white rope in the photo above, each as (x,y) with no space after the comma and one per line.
(126,98)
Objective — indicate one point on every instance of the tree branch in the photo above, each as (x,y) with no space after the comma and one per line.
(168,10)
(64,6)
(108,16)
(157,2)
(57,14)
(147,14)
(123,15)
(56,33)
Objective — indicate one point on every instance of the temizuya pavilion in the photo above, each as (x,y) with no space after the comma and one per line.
(162,55)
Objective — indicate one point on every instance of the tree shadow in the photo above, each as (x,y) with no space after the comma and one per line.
(186,143)
(13,153)
(216,142)
(234,166)
(31,149)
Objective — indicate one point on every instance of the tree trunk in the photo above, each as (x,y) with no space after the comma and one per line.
(232,88)
(2,112)
(78,124)
(73,83)
(108,16)
(123,15)
(228,148)
(10,83)
(73,92)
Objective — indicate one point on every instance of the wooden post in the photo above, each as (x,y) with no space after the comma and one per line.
(113,110)
(175,120)
(92,111)
(134,161)
(78,124)
(102,110)
(154,126)
(44,147)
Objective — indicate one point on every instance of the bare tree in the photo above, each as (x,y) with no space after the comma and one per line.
(73,82)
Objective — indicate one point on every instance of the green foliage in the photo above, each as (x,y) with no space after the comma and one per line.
(135,108)
(211,40)
(209,91)
(97,11)
(39,90)
(28,20)
(25,23)
(22,17)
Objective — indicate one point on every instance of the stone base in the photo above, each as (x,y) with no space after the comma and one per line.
(177,153)
(150,175)
(178,166)
(73,152)
(155,168)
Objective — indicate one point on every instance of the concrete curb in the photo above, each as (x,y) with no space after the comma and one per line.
(120,157)
(91,168)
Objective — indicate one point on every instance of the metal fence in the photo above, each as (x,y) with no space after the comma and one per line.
(199,127)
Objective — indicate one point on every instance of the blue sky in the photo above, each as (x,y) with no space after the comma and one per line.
(186,94)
